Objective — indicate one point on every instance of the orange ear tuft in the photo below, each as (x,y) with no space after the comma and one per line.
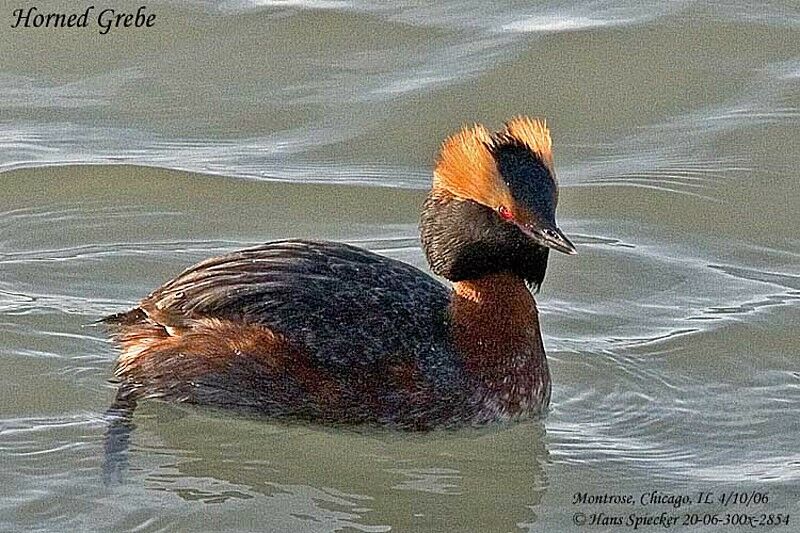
(467,169)
(534,134)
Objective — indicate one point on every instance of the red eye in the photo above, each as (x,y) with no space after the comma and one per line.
(504,213)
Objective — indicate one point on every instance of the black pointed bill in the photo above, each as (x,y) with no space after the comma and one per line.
(551,237)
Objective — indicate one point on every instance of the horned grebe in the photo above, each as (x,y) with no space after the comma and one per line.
(333,333)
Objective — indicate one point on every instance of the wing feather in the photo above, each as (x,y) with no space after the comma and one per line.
(343,305)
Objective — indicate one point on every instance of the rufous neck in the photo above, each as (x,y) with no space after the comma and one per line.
(495,326)
(495,317)
(501,289)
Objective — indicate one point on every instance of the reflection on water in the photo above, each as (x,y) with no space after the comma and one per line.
(385,479)
(671,335)
(300,477)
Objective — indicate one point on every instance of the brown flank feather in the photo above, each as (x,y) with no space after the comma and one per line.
(171,364)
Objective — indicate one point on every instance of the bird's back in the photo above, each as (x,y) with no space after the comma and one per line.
(371,327)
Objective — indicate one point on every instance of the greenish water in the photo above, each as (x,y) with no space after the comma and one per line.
(672,336)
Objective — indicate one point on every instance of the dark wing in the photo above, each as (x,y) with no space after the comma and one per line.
(344,305)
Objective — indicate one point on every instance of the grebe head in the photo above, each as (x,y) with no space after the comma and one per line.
(492,205)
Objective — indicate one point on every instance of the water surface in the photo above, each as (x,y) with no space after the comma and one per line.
(672,336)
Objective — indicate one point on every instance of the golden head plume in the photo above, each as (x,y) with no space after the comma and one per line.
(534,134)
(467,168)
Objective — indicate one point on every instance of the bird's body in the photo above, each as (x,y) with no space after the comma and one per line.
(333,333)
